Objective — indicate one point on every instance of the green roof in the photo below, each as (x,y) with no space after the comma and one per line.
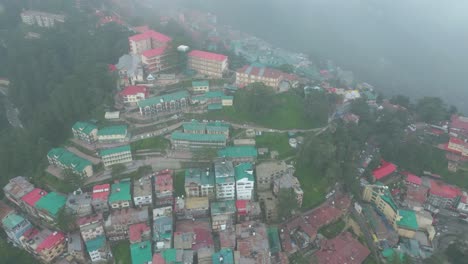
(370,95)
(52,203)
(120,192)
(388,199)
(225,254)
(115,150)
(408,219)
(200,83)
(222,180)
(217,127)
(194,125)
(177,135)
(113,130)
(84,127)
(238,151)
(96,243)
(244,170)
(274,240)
(12,220)
(170,255)
(141,252)
(69,159)
(389,253)
(223,207)
(215,106)
(163,98)
(199,176)
(227,97)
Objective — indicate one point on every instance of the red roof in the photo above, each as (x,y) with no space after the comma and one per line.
(443,190)
(411,178)
(203,238)
(136,230)
(241,206)
(385,169)
(464,198)
(163,181)
(342,249)
(51,241)
(151,34)
(417,194)
(109,19)
(158,259)
(459,122)
(111,67)
(32,197)
(4,210)
(207,55)
(154,52)
(133,90)
(89,219)
(457,141)
(101,192)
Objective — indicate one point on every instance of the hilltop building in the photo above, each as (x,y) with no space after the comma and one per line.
(113,134)
(130,69)
(192,207)
(16,188)
(143,191)
(200,86)
(49,206)
(15,226)
(133,94)
(100,198)
(79,203)
(225,180)
(199,183)
(259,73)
(65,159)
(162,228)
(223,215)
(85,131)
(120,196)
(164,188)
(29,201)
(207,63)
(41,19)
(244,174)
(266,172)
(116,155)
(118,223)
(164,104)
(239,154)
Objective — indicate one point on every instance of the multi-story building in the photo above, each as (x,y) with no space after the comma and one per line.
(162,228)
(266,172)
(163,104)
(288,182)
(244,181)
(212,128)
(41,19)
(270,205)
(119,221)
(442,195)
(225,180)
(223,215)
(207,63)
(47,245)
(459,126)
(76,247)
(147,40)
(181,140)
(341,249)
(199,183)
(133,94)
(139,232)
(112,134)
(130,69)
(65,159)
(259,73)
(248,210)
(143,191)
(239,154)
(252,242)
(98,249)
(16,189)
(15,226)
(91,226)
(120,196)
(116,155)
(79,204)
(458,146)
(164,188)
(192,207)
(49,205)
(141,253)
(200,86)
(214,100)
(29,201)
(100,198)
(85,131)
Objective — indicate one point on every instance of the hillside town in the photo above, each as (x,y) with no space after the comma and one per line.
(163,176)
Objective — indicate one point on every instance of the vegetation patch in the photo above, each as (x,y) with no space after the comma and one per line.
(179,183)
(155,143)
(333,229)
(121,252)
(276,142)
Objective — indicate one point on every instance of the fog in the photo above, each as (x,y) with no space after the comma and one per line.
(414,47)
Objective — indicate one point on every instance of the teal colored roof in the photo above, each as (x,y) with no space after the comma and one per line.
(210,95)
(84,127)
(274,240)
(227,97)
(221,180)
(244,170)
(115,150)
(218,126)
(199,176)
(113,130)
(141,252)
(69,159)
(238,151)
(170,255)
(96,243)
(215,106)
(389,253)
(177,135)
(194,125)
(223,207)
(120,192)
(225,254)
(388,199)
(163,98)
(52,203)
(370,95)
(200,83)
(12,220)
(408,219)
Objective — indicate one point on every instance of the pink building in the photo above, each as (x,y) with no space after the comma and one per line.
(164,188)
(207,63)
(100,197)
(30,200)
(139,232)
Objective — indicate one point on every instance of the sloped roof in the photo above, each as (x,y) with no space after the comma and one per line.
(120,192)
(154,52)
(69,159)
(407,220)
(176,135)
(52,203)
(443,190)
(134,89)
(113,130)
(238,151)
(111,151)
(96,243)
(150,34)
(163,98)
(50,241)
(207,55)
(385,169)
(32,197)
(12,220)
(244,171)
(84,127)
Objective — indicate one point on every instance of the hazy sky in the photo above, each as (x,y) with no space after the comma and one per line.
(416,47)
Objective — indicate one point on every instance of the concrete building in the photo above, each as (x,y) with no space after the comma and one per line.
(41,19)
(248,210)
(130,69)
(141,253)
(442,195)
(200,86)
(47,245)
(244,174)
(288,182)
(143,191)
(164,188)
(199,183)
(100,197)
(225,180)
(192,207)
(207,63)
(120,196)
(211,128)
(162,228)
(91,227)
(341,249)
(158,59)
(224,256)
(76,247)
(49,206)
(462,205)
(253,237)
(259,73)
(139,232)
(239,154)
(98,249)
(79,203)
(266,172)
(181,140)
(118,223)
(223,215)
(29,201)
(113,134)
(85,131)
(244,142)
(270,203)
(16,188)
(214,100)
(147,40)
(133,94)
(164,104)
(116,155)
(65,159)
(15,226)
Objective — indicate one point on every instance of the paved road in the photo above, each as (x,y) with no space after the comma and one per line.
(365,228)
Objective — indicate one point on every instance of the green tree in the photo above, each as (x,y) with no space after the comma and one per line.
(256,99)
(317,107)
(204,154)
(401,100)
(431,109)
(287,68)
(287,204)
(11,254)
(66,221)
(74,180)
(117,169)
